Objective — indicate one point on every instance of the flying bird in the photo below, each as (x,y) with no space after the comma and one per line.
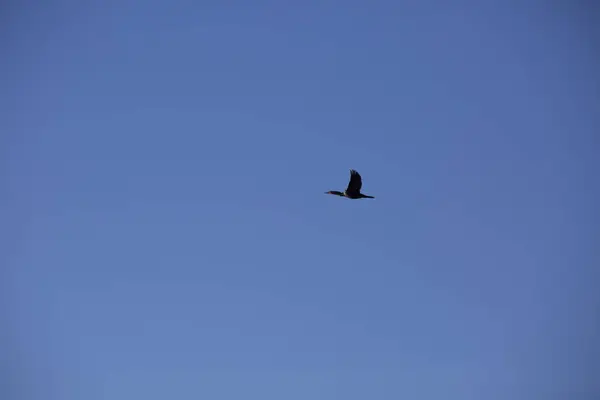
(353,189)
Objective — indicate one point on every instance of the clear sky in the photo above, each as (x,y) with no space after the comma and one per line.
(165,229)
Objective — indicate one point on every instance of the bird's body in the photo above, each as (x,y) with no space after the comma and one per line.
(353,189)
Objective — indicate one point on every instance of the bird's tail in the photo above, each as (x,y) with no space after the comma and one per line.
(368,197)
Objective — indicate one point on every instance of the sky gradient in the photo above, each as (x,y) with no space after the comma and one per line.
(167,235)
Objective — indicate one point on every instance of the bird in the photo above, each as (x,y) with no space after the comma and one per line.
(353,189)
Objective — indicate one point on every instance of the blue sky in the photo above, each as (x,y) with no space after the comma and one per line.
(163,174)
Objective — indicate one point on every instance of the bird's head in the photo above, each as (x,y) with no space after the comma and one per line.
(335,192)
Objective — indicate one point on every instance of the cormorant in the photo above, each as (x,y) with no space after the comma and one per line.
(353,189)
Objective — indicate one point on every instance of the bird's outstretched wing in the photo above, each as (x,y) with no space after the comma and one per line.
(355,183)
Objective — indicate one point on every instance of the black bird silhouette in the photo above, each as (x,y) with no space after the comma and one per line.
(353,189)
